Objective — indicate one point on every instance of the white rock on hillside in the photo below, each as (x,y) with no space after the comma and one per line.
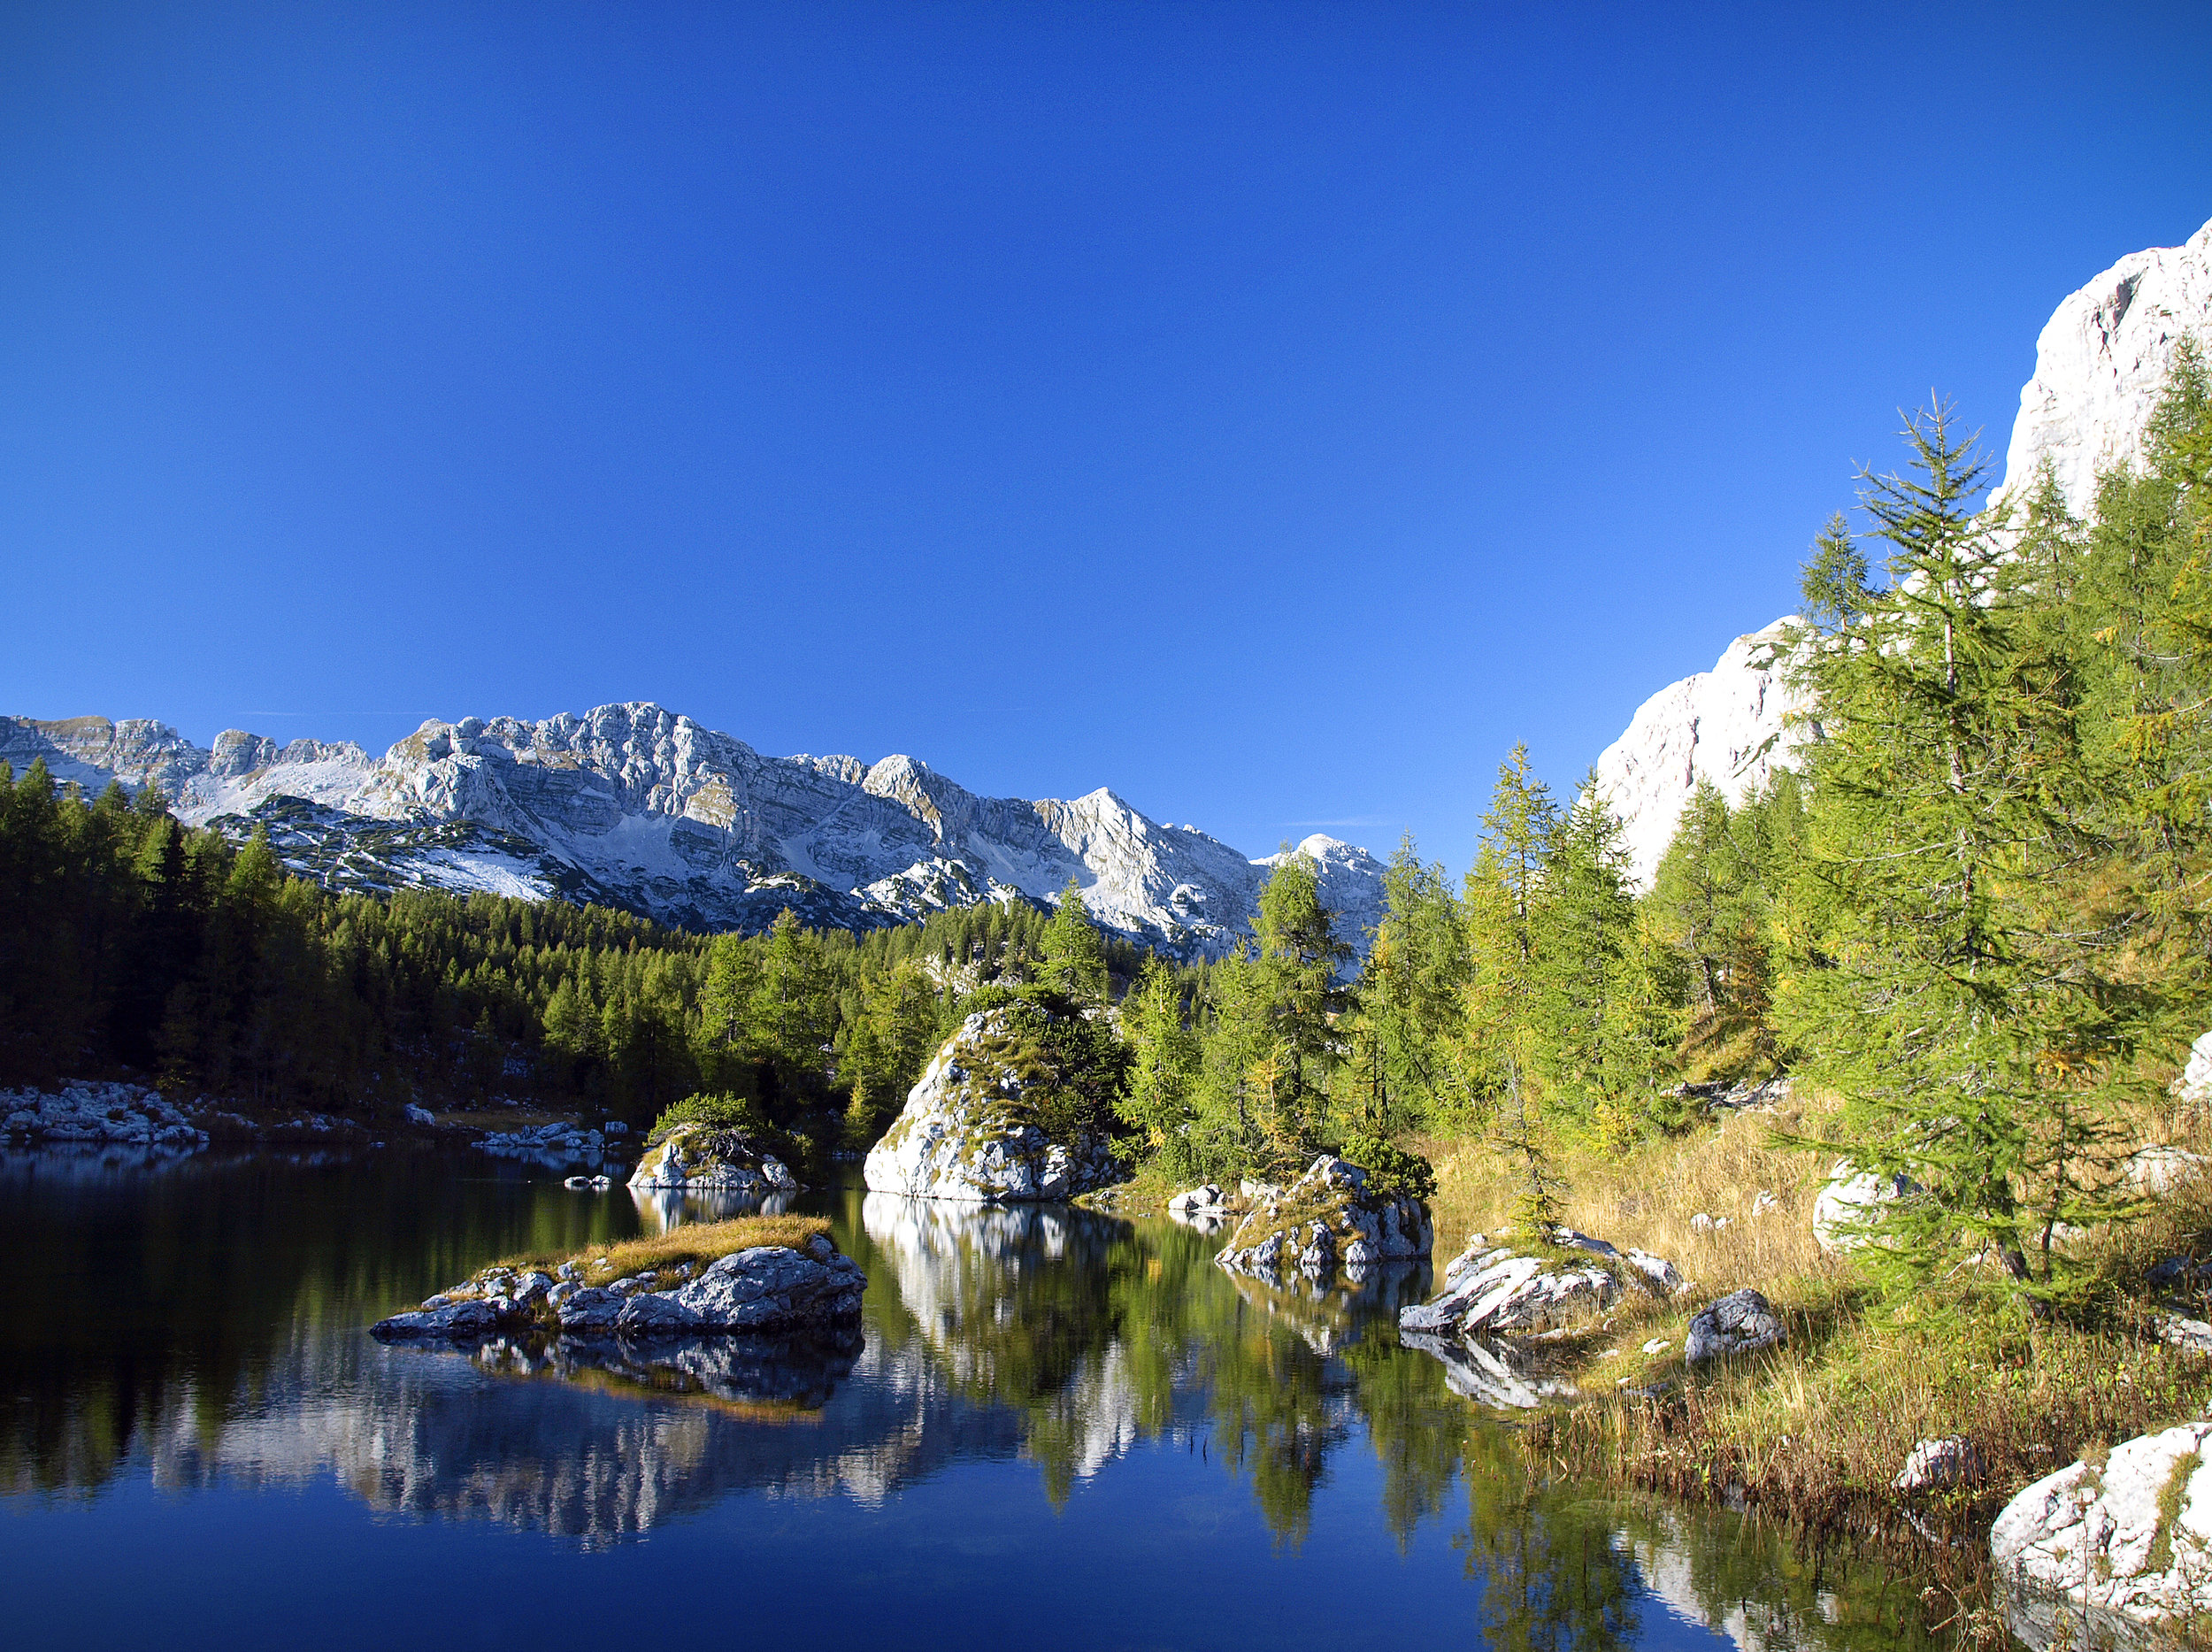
(636,807)
(2099,366)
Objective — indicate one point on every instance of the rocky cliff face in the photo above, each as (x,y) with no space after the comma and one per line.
(637,807)
(2099,366)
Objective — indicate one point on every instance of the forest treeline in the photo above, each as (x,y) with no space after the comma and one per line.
(129,940)
(1976,910)
(1974,913)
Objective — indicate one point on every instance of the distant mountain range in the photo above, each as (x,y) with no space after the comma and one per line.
(636,807)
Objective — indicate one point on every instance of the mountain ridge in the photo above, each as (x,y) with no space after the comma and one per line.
(2101,363)
(632,805)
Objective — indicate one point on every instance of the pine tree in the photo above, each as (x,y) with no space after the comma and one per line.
(1978,1037)
(1074,958)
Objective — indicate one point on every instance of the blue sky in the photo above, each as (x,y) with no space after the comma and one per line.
(1272,413)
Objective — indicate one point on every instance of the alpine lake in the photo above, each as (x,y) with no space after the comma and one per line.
(1052,1428)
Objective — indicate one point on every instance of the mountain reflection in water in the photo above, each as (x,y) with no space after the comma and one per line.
(197,1325)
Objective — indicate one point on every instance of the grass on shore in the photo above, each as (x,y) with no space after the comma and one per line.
(1814,1432)
(697,1243)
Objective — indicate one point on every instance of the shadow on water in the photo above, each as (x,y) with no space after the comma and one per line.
(199,1323)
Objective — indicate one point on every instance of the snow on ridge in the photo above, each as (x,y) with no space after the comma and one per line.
(633,804)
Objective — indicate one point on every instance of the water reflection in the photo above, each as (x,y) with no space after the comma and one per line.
(663,1210)
(203,1324)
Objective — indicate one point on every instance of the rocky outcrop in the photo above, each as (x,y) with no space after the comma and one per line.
(973,1126)
(2126,1544)
(1729,725)
(761,1289)
(1332,1219)
(2100,365)
(697,1158)
(1742,1322)
(1491,1288)
(126,1115)
(637,807)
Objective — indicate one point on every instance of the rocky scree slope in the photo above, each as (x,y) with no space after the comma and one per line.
(2099,367)
(636,807)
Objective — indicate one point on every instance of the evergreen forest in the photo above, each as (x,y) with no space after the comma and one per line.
(1975,909)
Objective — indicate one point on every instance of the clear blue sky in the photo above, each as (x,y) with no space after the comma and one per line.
(1272,413)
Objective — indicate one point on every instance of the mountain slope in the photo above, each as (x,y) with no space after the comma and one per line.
(2099,366)
(637,807)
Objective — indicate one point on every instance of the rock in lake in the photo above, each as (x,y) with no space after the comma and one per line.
(698,1159)
(1491,1288)
(764,1288)
(2126,1546)
(1742,1322)
(974,1128)
(1331,1218)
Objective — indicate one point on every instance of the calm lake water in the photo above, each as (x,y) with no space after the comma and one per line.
(1054,1428)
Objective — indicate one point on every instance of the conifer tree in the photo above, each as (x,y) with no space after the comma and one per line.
(1074,958)
(1979,1041)
(1164,1055)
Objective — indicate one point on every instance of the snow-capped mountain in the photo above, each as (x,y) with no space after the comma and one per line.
(2099,366)
(636,807)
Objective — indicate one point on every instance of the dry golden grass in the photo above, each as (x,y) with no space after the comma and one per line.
(697,1243)
(1647,1197)
(1815,1430)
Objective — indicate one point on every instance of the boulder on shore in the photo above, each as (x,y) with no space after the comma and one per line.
(974,1128)
(1494,1288)
(1742,1322)
(699,1158)
(1332,1217)
(2126,1546)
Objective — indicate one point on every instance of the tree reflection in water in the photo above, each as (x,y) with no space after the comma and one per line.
(207,1319)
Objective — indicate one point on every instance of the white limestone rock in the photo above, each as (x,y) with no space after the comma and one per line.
(2099,366)
(1331,1218)
(697,1158)
(2101,363)
(1850,1202)
(637,807)
(970,1129)
(1490,1289)
(2131,1543)
(2161,1168)
(1728,725)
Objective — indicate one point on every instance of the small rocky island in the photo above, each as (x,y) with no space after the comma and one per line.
(987,1122)
(700,1158)
(1335,1217)
(750,1275)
